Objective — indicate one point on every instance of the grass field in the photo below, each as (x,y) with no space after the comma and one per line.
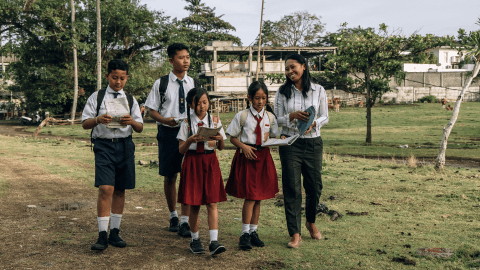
(420,126)
(406,207)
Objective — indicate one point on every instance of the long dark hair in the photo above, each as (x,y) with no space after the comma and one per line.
(286,88)
(252,90)
(193,97)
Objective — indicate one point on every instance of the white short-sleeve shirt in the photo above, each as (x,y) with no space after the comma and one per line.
(101,130)
(184,133)
(316,97)
(170,106)
(248,135)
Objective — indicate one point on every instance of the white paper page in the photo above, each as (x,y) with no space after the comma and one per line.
(280,142)
(117,108)
(207,132)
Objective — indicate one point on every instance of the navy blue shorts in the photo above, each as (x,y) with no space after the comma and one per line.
(115,163)
(169,159)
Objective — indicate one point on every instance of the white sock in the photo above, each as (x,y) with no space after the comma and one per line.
(245,228)
(194,235)
(115,221)
(183,219)
(253,228)
(103,223)
(213,235)
(173,214)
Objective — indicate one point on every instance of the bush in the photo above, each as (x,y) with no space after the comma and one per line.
(429,99)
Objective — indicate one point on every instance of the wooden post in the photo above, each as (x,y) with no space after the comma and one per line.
(214,67)
(259,42)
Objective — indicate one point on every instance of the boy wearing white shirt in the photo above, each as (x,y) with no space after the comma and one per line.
(114,153)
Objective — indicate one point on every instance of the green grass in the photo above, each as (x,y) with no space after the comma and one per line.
(419,125)
(412,202)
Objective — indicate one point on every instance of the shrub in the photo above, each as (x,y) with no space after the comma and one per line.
(429,99)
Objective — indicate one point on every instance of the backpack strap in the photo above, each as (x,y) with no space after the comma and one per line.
(163,88)
(243,118)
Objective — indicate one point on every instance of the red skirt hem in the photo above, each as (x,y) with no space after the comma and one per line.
(253,179)
(201,180)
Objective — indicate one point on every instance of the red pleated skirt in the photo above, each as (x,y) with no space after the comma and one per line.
(253,179)
(201,181)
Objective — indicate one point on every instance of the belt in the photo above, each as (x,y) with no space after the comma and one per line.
(206,152)
(114,139)
(259,147)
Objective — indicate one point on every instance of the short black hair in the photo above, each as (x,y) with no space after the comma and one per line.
(174,48)
(117,64)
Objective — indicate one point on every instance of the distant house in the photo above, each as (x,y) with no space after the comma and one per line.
(8,97)
(448,61)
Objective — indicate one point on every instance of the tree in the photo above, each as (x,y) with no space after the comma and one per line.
(42,37)
(297,29)
(367,59)
(75,65)
(471,45)
(201,27)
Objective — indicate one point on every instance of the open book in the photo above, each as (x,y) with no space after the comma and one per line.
(207,132)
(280,142)
(116,108)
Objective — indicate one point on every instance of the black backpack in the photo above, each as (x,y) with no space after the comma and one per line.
(100,96)
(164,84)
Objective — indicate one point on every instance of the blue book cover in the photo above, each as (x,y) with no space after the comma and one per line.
(303,126)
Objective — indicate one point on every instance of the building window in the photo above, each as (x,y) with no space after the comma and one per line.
(446,57)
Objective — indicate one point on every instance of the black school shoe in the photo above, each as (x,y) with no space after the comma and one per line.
(256,242)
(196,246)
(173,224)
(115,240)
(245,242)
(102,243)
(216,248)
(184,230)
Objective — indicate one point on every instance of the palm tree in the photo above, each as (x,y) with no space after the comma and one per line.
(470,44)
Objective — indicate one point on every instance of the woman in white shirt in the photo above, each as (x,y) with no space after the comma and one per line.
(304,156)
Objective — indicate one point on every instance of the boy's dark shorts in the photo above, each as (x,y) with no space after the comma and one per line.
(169,159)
(115,163)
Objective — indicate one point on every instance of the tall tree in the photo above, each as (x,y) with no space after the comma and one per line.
(75,65)
(42,36)
(297,29)
(470,44)
(201,27)
(367,59)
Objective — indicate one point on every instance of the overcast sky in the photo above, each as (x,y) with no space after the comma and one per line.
(438,17)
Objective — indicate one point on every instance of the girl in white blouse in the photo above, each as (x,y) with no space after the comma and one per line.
(201,180)
(304,156)
(253,176)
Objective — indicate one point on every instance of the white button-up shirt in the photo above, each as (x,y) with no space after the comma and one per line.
(101,130)
(316,97)
(170,106)
(248,136)
(184,133)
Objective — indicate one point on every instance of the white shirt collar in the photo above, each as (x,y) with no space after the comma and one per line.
(111,91)
(174,77)
(254,112)
(196,120)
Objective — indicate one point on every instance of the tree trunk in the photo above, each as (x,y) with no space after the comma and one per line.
(99,48)
(75,66)
(369,110)
(440,162)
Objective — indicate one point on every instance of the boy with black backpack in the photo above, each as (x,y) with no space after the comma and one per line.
(114,152)
(167,105)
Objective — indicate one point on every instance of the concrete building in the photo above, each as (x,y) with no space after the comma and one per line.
(448,61)
(234,76)
(8,97)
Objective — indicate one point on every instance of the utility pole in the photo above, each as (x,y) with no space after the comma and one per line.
(75,67)
(99,48)
(259,42)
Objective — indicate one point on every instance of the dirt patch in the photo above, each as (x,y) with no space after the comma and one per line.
(50,222)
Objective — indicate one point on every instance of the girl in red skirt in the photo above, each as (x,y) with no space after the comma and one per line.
(201,181)
(253,176)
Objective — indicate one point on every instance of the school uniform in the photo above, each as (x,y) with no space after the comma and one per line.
(170,160)
(201,180)
(253,179)
(303,157)
(114,149)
